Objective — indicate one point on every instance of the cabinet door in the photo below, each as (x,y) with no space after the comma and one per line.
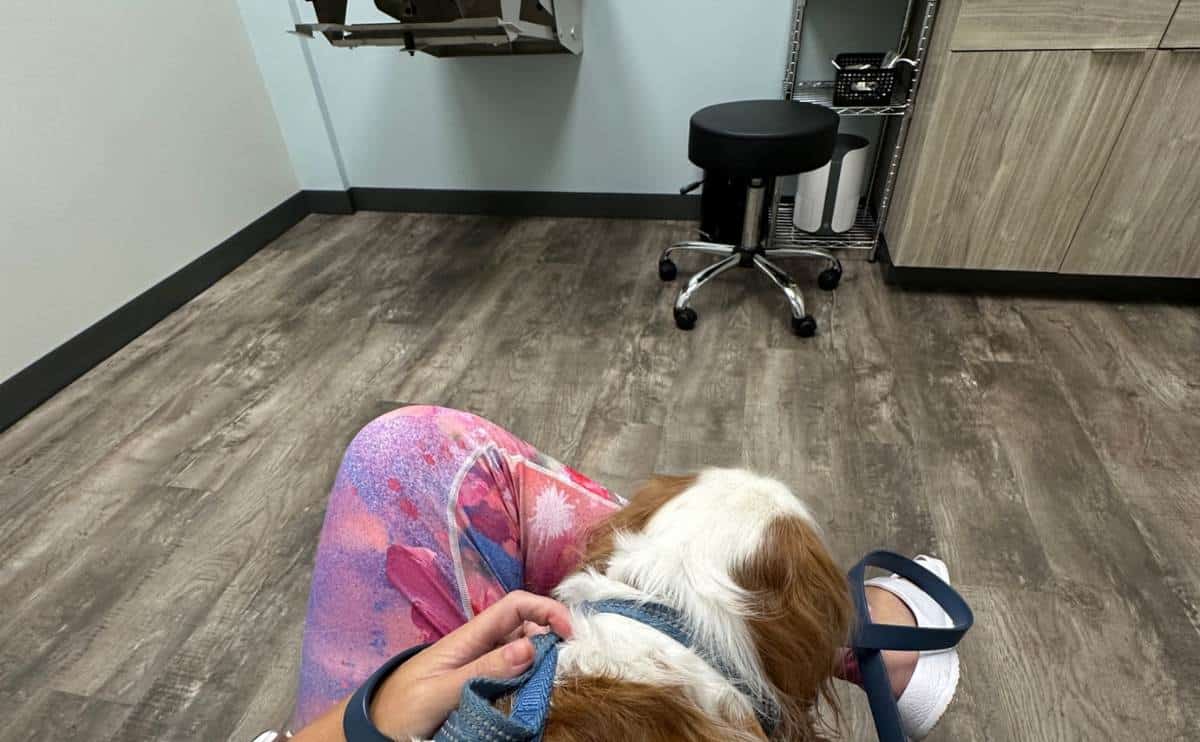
(1061,24)
(1005,153)
(1144,219)
(1184,31)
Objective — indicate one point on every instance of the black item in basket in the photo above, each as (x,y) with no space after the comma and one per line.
(871,86)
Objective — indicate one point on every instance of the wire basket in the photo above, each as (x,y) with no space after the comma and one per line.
(869,86)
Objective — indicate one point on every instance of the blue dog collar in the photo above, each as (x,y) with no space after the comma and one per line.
(671,622)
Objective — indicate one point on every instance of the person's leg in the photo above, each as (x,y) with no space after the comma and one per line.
(923,683)
(433,516)
(889,609)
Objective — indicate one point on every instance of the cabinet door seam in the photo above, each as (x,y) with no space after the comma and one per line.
(1137,99)
(1167,30)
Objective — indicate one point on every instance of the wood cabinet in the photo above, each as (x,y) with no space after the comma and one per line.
(1010,147)
(1073,161)
(1184,31)
(1144,218)
(1061,24)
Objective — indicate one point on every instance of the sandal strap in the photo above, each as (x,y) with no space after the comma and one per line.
(870,635)
(870,638)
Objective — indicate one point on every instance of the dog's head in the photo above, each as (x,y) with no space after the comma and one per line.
(742,558)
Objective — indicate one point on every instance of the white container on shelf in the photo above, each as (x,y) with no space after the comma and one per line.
(811,188)
(827,198)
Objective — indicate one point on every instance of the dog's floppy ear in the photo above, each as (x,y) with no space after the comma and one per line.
(632,518)
(599,709)
(800,619)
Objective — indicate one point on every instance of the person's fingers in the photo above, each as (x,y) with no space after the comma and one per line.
(508,615)
(514,635)
(439,673)
(521,607)
(529,628)
(507,661)
(428,700)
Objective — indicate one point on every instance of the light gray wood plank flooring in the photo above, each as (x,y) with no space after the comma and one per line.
(158,518)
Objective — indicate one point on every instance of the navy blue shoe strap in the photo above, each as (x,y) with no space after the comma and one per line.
(870,638)
(870,635)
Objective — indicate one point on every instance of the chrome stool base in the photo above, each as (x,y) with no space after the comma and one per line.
(733,256)
(750,254)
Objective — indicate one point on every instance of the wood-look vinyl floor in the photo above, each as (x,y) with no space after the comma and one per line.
(158,518)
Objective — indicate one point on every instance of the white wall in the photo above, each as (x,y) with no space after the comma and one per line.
(134,136)
(613,120)
(286,62)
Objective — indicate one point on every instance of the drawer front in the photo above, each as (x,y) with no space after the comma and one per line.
(1184,31)
(1061,24)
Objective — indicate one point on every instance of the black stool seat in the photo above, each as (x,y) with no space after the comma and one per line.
(762,138)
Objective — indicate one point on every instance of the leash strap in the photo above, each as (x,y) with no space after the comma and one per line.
(870,638)
(476,720)
(531,704)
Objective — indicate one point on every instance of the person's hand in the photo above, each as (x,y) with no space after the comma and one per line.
(418,697)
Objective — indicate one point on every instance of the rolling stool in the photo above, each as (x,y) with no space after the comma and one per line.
(753,142)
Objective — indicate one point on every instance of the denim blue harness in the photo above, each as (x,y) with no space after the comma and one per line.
(476,720)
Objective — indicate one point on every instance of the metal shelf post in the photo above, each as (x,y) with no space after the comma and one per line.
(867,231)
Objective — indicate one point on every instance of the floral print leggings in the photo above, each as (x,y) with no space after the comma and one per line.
(435,514)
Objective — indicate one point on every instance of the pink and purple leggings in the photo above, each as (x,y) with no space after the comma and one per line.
(435,514)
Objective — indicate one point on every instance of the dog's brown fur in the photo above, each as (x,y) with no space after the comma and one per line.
(799,625)
(801,622)
(609,710)
(632,518)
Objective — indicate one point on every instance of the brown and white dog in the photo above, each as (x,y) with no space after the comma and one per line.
(741,558)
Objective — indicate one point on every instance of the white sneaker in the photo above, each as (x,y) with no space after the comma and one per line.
(935,677)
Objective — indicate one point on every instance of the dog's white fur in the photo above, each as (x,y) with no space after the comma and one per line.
(684,558)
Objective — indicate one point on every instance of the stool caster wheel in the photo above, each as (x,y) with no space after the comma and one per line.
(667,270)
(805,327)
(685,319)
(829,278)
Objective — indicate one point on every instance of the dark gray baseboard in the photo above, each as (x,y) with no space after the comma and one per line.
(1029,283)
(329,202)
(529,203)
(22,393)
(40,381)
